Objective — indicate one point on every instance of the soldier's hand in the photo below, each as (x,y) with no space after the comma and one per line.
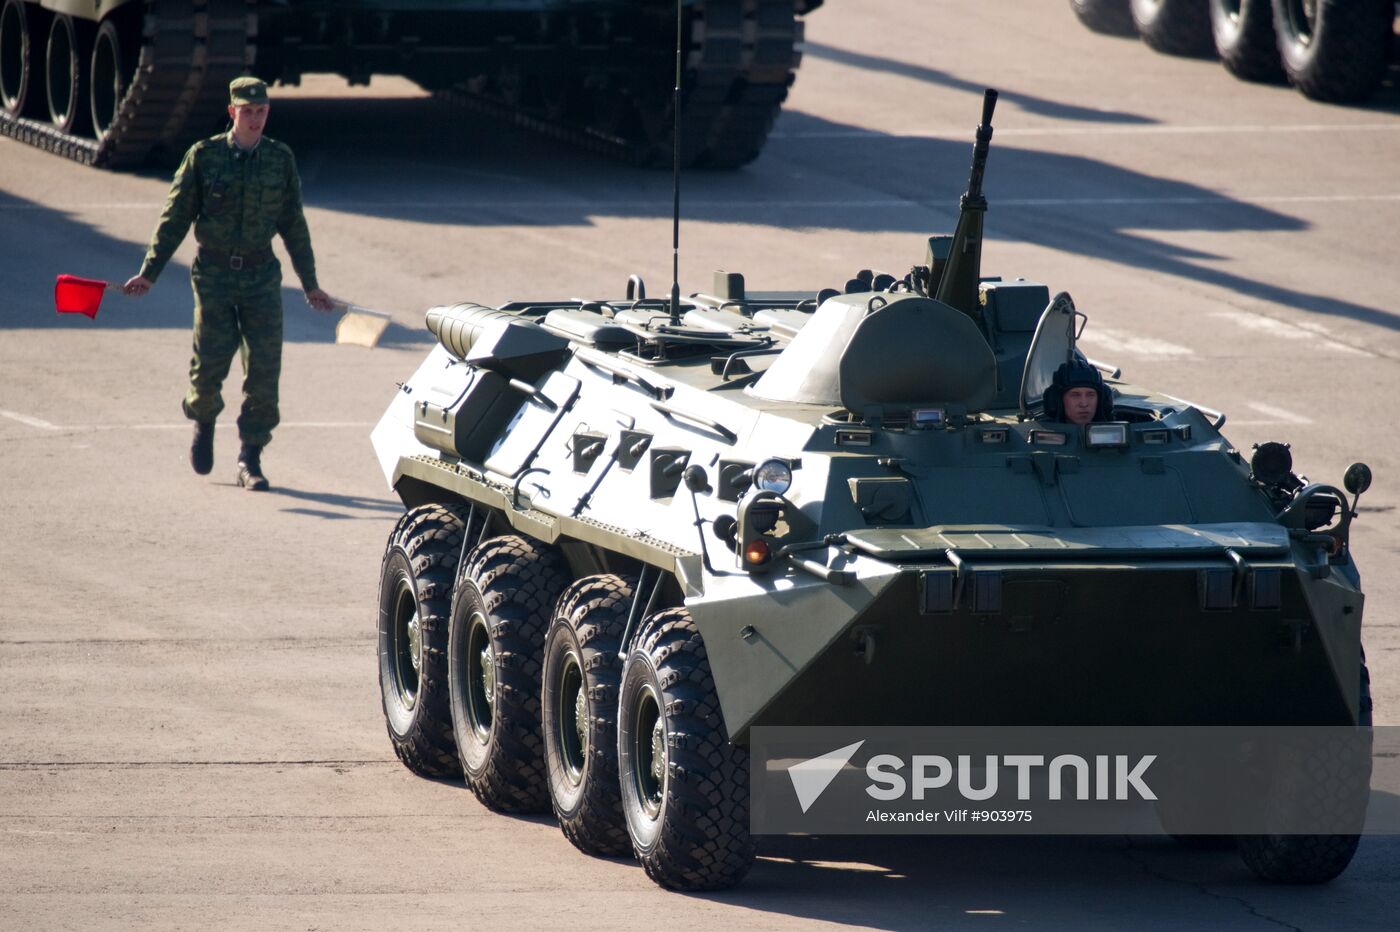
(319,300)
(136,286)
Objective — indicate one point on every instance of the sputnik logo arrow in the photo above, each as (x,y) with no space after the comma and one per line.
(811,777)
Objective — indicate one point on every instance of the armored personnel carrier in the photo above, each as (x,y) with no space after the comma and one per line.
(637,529)
(118,82)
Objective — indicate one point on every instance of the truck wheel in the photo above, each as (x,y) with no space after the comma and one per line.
(1245,39)
(578,707)
(505,599)
(415,596)
(1335,50)
(685,788)
(1176,27)
(1111,17)
(1337,784)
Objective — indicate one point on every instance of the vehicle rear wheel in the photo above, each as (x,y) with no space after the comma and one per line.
(1176,27)
(1110,17)
(1245,39)
(685,787)
(1337,786)
(415,598)
(1335,50)
(66,74)
(505,599)
(582,672)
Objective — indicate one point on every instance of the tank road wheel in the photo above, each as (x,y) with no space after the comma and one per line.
(685,788)
(22,39)
(1335,50)
(582,671)
(1338,785)
(415,598)
(1245,40)
(1111,17)
(66,74)
(111,74)
(505,599)
(1176,27)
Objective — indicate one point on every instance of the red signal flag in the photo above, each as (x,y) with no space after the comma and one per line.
(74,295)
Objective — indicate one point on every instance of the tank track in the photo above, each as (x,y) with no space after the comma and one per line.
(190,50)
(741,58)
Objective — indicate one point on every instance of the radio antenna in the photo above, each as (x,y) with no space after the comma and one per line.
(676,182)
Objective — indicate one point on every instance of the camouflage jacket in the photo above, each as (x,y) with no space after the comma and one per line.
(236,201)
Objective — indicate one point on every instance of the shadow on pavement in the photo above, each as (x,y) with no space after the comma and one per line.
(1027,102)
(422,161)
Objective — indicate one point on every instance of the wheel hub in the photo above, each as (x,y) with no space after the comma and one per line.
(415,643)
(658,751)
(488,677)
(581,720)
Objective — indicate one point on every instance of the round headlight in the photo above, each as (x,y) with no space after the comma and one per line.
(773,476)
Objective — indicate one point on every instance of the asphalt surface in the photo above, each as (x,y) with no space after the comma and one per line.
(190,728)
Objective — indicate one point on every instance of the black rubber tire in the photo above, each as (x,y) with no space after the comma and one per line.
(23,32)
(419,564)
(1175,27)
(1342,56)
(581,659)
(694,835)
(66,60)
(1338,782)
(1245,39)
(504,602)
(1110,17)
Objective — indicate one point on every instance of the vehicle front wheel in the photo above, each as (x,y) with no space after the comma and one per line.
(685,787)
(582,672)
(1327,785)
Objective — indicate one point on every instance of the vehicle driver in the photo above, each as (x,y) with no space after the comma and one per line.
(1078,395)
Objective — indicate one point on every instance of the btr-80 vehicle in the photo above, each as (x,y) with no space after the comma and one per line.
(637,529)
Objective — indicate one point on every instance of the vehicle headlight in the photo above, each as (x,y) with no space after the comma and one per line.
(773,476)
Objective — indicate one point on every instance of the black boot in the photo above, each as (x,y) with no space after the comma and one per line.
(202,449)
(250,474)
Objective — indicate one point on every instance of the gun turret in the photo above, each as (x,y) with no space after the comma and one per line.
(955,280)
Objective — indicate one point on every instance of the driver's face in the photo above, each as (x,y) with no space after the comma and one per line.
(1080,405)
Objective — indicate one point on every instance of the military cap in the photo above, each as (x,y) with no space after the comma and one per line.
(246,90)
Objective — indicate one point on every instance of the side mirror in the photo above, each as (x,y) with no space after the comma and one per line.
(1357,478)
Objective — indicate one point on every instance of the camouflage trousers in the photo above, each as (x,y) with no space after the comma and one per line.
(237,311)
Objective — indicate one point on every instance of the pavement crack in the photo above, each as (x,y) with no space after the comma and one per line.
(1130,852)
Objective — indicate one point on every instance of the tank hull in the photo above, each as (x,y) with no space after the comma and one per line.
(152,76)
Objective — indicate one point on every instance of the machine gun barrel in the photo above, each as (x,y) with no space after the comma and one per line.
(982,146)
(956,283)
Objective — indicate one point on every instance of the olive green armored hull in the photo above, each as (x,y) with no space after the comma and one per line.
(637,530)
(120,82)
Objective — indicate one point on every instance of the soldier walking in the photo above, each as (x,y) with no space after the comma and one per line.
(237,189)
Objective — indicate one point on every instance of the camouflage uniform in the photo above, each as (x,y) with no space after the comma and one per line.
(236,200)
